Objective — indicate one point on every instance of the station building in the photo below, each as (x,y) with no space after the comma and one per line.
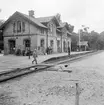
(21,31)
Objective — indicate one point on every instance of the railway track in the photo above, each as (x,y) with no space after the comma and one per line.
(8,75)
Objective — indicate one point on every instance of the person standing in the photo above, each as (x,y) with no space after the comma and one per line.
(47,50)
(68,50)
(35,56)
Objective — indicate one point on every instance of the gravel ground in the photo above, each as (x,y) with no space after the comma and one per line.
(54,88)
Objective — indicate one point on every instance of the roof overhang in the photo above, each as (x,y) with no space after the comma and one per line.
(70,34)
(58,30)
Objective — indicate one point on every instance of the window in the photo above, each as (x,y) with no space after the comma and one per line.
(14,27)
(18,26)
(27,43)
(42,42)
(23,26)
(51,43)
(50,27)
(58,46)
(42,31)
(64,46)
(58,43)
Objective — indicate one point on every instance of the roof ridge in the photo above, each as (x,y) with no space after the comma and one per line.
(35,20)
(45,17)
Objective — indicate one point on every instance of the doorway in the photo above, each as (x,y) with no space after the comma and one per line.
(58,46)
(64,46)
(27,43)
(11,46)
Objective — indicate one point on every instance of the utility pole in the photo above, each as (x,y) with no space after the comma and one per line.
(29,40)
(47,37)
(47,42)
(79,39)
(61,42)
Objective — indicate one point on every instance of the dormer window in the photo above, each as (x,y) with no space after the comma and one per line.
(50,27)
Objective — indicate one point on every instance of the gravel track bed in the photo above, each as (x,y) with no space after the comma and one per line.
(53,88)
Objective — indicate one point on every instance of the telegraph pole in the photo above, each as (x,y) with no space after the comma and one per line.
(29,39)
(79,38)
(47,38)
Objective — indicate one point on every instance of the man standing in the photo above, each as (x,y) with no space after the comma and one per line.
(68,50)
(34,56)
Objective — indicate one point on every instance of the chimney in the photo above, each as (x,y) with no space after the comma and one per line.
(31,13)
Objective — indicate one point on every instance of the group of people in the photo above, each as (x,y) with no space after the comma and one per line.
(49,50)
(35,55)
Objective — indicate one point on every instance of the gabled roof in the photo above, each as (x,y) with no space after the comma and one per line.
(69,33)
(33,20)
(65,24)
(1,22)
(45,19)
(58,30)
(48,19)
(62,25)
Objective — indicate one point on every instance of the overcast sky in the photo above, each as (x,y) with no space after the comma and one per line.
(76,12)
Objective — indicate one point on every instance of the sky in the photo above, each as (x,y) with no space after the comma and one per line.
(76,12)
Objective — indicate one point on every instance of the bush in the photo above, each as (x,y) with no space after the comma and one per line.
(18,52)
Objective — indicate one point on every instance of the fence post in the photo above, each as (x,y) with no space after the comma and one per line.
(77,95)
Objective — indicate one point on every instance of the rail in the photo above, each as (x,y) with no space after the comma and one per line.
(4,76)
(8,75)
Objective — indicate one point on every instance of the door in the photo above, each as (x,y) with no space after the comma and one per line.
(27,44)
(58,46)
(51,45)
(11,46)
(64,46)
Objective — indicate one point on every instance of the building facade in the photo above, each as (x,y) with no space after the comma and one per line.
(1,37)
(21,31)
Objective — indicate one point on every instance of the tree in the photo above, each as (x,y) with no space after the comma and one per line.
(71,28)
(100,41)
(93,38)
(58,17)
(74,41)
